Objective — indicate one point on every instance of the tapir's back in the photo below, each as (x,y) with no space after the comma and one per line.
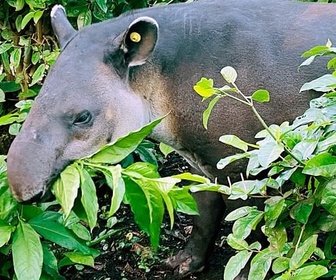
(263,40)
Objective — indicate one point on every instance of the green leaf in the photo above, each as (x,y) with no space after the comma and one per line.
(66,187)
(14,129)
(37,15)
(317,50)
(165,149)
(5,47)
(321,165)
(117,185)
(2,96)
(229,74)
(273,209)
(243,226)
(269,152)
(15,57)
(320,84)
(36,4)
(102,5)
(261,264)
(302,210)
(148,208)
(47,224)
(226,161)
(238,213)
(280,264)
(303,252)
(89,197)
(123,146)
(5,232)
(310,272)
(27,252)
(142,169)
(205,88)
(326,223)
(234,141)
(7,202)
(235,243)
(50,263)
(38,74)
(84,19)
(80,258)
(261,96)
(328,196)
(236,264)
(208,110)
(26,19)
(192,177)
(183,201)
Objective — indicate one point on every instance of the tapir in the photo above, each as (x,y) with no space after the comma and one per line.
(113,77)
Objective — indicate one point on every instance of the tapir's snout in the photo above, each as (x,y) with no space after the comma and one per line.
(29,173)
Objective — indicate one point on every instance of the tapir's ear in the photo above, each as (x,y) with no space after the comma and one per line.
(61,26)
(139,40)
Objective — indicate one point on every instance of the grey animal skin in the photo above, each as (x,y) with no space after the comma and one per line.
(104,85)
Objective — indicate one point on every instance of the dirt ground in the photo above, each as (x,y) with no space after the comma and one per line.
(126,255)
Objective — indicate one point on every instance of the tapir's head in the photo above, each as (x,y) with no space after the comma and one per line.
(84,103)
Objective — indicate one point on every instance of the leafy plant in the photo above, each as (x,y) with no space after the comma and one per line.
(137,184)
(298,218)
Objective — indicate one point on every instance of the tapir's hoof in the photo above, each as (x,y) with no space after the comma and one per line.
(183,264)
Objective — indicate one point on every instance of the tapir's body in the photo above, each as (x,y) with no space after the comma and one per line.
(106,83)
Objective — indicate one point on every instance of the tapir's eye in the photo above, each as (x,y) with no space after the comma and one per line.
(83,118)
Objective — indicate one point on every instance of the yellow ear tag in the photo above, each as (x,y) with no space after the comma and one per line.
(135,37)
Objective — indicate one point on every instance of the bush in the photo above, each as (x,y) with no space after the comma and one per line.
(298,219)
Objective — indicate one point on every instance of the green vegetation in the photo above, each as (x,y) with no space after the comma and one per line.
(298,217)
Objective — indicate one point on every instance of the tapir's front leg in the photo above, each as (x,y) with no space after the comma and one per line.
(205,228)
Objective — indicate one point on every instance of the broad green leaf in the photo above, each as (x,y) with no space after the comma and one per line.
(26,19)
(5,47)
(317,50)
(243,189)
(7,202)
(38,74)
(310,272)
(37,15)
(302,210)
(205,88)
(80,258)
(66,187)
(280,265)
(269,152)
(84,19)
(27,252)
(303,252)
(50,263)
(234,141)
(14,129)
(227,160)
(243,226)
(81,231)
(236,264)
(143,169)
(89,197)
(15,57)
(235,243)
(123,146)
(47,224)
(277,237)
(229,74)
(117,185)
(273,209)
(261,96)
(102,5)
(148,208)
(305,148)
(320,84)
(321,165)
(326,223)
(5,232)
(208,110)
(33,4)
(261,263)
(35,57)
(165,149)
(239,213)
(183,201)
(328,196)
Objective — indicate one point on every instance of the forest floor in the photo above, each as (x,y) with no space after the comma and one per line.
(126,255)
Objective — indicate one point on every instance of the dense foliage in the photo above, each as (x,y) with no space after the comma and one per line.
(298,217)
